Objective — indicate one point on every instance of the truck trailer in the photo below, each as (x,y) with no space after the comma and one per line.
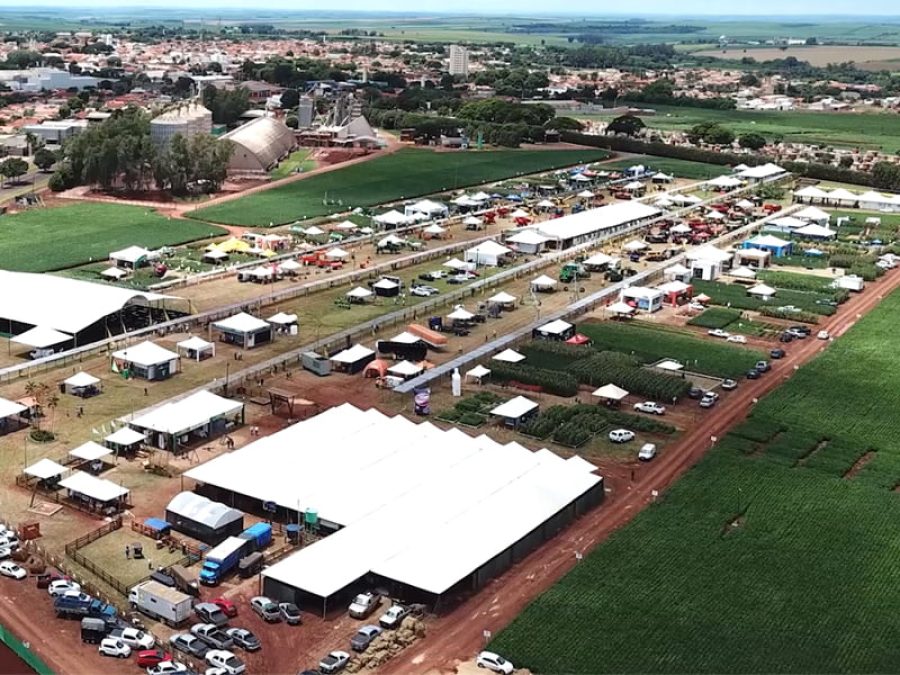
(161,602)
(223,559)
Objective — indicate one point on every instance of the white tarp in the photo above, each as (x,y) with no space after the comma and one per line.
(187,414)
(9,408)
(610,391)
(125,436)
(98,489)
(509,356)
(40,337)
(557,327)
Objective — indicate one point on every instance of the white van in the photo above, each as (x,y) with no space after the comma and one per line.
(647,452)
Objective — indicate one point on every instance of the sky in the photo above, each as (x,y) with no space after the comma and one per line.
(812,9)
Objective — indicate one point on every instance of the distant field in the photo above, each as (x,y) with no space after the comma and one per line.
(43,239)
(775,554)
(815,55)
(680,168)
(406,174)
(864,130)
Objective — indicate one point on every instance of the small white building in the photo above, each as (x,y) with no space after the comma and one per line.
(488,253)
(643,298)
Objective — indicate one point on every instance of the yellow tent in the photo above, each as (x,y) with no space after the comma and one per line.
(234,245)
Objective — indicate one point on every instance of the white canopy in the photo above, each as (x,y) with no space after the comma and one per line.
(509,356)
(337,253)
(725,182)
(585,194)
(714,215)
(478,372)
(502,298)
(633,185)
(710,253)
(676,270)
(290,265)
(346,225)
(405,369)
(145,354)
(434,228)
(787,222)
(546,204)
(621,307)
(842,195)
(314,231)
(215,254)
(426,206)
(762,290)
(472,220)
(390,240)
(460,313)
(457,264)
(610,391)
(241,323)
(9,408)
(519,213)
(406,338)
(81,379)
(132,254)
(45,468)
(635,245)
(125,436)
(816,230)
(40,337)
(356,353)
(515,408)
(467,201)
(811,192)
(599,259)
(528,238)
(282,319)
(768,240)
(743,273)
(89,451)
(745,204)
(813,213)
(670,365)
(187,414)
(114,273)
(391,217)
(195,344)
(486,253)
(557,327)
(544,281)
(359,292)
(662,176)
(680,228)
(99,489)
(673,287)
(385,284)
(581,178)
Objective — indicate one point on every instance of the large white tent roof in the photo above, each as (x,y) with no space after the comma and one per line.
(188,413)
(241,323)
(99,489)
(40,337)
(557,327)
(45,468)
(509,491)
(9,408)
(515,407)
(145,354)
(67,305)
(89,451)
(125,436)
(81,379)
(202,510)
(596,220)
(353,354)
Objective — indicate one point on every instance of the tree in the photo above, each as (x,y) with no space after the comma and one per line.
(13,167)
(292,122)
(44,159)
(749,80)
(19,59)
(290,99)
(226,106)
(565,124)
(629,125)
(710,132)
(752,141)
(846,161)
(886,175)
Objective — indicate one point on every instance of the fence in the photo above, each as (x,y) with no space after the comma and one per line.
(191,553)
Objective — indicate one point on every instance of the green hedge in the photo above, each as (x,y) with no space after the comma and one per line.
(715,317)
(801,316)
(576,424)
(550,381)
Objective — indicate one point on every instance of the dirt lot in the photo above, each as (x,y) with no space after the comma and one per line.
(816,55)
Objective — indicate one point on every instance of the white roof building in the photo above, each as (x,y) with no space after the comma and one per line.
(146,354)
(577,227)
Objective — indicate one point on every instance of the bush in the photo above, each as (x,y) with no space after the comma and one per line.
(554,355)
(472,419)
(550,381)
(42,435)
(801,316)
(715,317)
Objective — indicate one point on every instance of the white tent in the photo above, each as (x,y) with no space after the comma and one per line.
(502,298)
(44,469)
(546,204)
(346,225)
(528,238)
(427,207)
(241,323)
(811,192)
(89,452)
(610,391)
(405,369)
(635,245)
(598,260)
(743,273)
(714,215)
(816,231)
(745,205)
(676,270)
(842,196)
(435,230)
(621,307)
(81,380)
(390,240)
(460,313)
(197,346)
(662,177)
(125,436)
(487,253)
(98,489)
(762,290)
(585,194)
(633,186)
(132,255)
(290,266)
(509,356)
(543,282)
(337,253)
(145,354)
(725,182)
(680,228)
(478,373)
(787,222)
(215,254)
(113,273)
(282,319)
(457,264)
(385,284)
(187,414)
(359,293)
(475,221)
(466,201)
(41,337)
(481,196)
(557,327)
(515,408)
(519,213)
(391,217)
(314,231)
(813,214)
(9,408)
(355,353)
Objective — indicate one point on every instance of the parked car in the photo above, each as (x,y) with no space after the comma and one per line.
(424,291)
(10,569)
(695,392)
(244,639)
(363,638)
(211,612)
(647,452)
(718,332)
(364,604)
(728,384)
(134,638)
(763,366)
(786,337)
(167,668)
(61,586)
(709,399)
(290,613)
(777,353)
(739,339)
(394,616)
(494,662)
(433,275)
(801,329)
(334,662)
(228,608)
(114,647)
(222,658)
(152,657)
(621,435)
(5,552)
(822,335)
(189,644)
(753,374)
(212,635)
(266,608)
(650,407)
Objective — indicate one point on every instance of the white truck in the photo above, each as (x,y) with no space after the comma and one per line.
(161,602)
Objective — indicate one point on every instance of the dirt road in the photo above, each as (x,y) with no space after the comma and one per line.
(459,635)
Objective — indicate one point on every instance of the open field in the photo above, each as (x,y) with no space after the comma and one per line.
(297,162)
(681,168)
(739,567)
(43,239)
(865,130)
(819,55)
(405,174)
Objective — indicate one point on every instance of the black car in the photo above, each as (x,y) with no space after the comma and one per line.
(244,639)
(786,337)
(806,330)
(753,374)
(777,353)
(696,393)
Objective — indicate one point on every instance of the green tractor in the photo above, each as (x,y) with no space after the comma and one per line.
(573,271)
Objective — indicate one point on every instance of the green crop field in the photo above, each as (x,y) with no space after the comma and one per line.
(406,174)
(652,343)
(680,168)
(43,239)
(865,130)
(770,556)
(735,295)
(715,317)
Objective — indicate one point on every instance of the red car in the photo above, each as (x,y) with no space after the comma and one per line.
(227,606)
(147,658)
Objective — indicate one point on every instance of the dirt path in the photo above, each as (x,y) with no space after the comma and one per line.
(458,635)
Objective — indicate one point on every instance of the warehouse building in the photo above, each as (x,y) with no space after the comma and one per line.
(578,228)
(259,145)
(459,510)
(203,519)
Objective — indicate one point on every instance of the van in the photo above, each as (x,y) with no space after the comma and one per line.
(250,565)
(93,630)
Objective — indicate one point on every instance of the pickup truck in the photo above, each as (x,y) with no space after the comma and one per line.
(212,635)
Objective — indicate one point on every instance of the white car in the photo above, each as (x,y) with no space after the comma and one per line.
(394,616)
(650,407)
(823,335)
(61,586)
(334,662)
(719,333)
(10,569)
(9,540)
(364,604)
(167,668)
(494,662)
(137,638)
(739,339)
(709,399)
(222,658)
(621,435)
(114,647)
(424,291)
(647,452)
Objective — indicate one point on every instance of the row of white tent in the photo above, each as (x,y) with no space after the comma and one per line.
(870,199)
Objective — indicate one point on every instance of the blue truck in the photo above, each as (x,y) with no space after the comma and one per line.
(81,607)
(223,559)
(259,536)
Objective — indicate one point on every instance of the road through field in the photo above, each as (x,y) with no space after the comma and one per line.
(459,635)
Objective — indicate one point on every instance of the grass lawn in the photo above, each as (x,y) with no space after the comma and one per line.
(865,130)
(680,168)
(297,162)
(108,553)
(43,239)
(762,558)
(406,174)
